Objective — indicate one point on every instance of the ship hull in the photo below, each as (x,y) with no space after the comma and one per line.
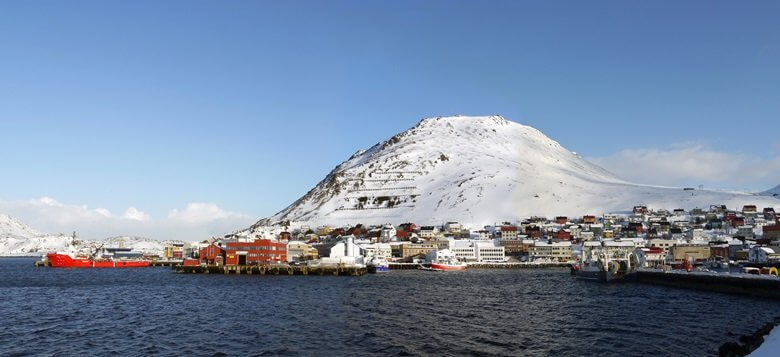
(378,268)
(590,274)
(65,261)
(447,267)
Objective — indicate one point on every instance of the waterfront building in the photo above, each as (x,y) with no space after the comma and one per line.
(482,251)
(301,251)
(516,247)
(377,249)
(417,249)
(487,252)
(173,251)
(259,251)
(652,257)
(664,244)
(551,251)
(211,254)
(688,252)
(345,252)
(759,254)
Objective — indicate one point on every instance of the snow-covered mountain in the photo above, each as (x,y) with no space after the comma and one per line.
(12,227)
(478,170)
(775,192)
(18,239)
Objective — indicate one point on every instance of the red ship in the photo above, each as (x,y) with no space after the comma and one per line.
(59,260)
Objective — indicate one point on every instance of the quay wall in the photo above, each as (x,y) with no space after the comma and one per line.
(733,284)
(271,270)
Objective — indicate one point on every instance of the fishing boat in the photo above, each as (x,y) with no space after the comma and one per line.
(377,264)
(445,260)
(606,261)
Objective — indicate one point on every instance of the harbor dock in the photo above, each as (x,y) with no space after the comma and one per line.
(272,270)
(764,286)
(404,266)
(164,263)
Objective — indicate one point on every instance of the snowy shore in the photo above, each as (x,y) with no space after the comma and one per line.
(771,345)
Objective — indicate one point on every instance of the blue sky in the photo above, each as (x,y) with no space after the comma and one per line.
(246,105)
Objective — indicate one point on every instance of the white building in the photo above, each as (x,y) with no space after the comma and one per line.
(344,252)
(428,232)
(377,249)
(453,227)
(388,234)
(483,251)
(759,254)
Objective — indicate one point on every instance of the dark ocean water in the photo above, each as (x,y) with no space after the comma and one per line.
(153,311)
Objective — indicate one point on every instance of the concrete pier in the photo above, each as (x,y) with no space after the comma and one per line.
(764,286)
(164,263)
(272,270)
(403,266)
(517,265)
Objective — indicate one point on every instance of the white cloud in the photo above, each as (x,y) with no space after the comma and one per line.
(196,221)
(104,212)
(693,164)
(134,214)
(201,212)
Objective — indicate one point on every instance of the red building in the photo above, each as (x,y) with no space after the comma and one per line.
(261,251)
(561,219)
(719,251)
(210,254)
(563,234)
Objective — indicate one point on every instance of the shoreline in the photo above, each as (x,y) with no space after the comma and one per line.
(748,344)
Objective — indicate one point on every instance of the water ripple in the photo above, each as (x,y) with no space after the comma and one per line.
(153,311)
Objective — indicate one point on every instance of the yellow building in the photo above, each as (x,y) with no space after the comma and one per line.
(173,251)
(695,252)
(411,250)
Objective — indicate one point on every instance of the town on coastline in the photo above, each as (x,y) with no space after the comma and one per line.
(709,239)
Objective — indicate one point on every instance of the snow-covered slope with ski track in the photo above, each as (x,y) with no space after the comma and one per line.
(479,170)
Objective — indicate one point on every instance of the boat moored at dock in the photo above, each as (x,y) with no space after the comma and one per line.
(445,260)
(61,260)
(606,261)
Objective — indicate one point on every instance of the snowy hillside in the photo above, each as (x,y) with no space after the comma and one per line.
(12,227)
(478,170)
(772,192)
(17,239)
